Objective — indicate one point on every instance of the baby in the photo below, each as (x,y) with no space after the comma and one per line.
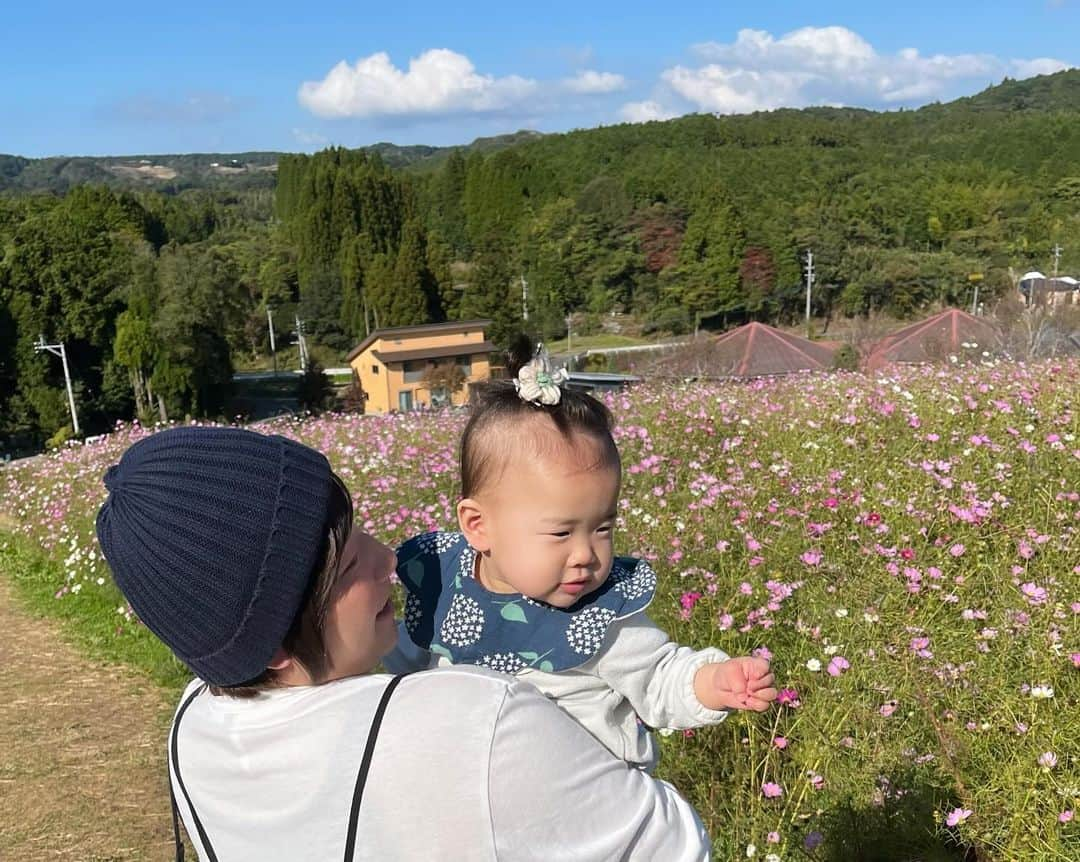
(531,585)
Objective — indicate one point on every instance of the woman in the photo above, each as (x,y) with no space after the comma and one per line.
(237,550)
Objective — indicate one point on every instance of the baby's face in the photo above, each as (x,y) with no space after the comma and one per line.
(549,523)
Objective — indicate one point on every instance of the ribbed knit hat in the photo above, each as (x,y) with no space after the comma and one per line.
(212,534)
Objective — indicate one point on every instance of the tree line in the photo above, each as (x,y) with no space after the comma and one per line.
(681,223)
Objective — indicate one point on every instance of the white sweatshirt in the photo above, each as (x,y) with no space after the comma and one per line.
(638,672)
(468,765)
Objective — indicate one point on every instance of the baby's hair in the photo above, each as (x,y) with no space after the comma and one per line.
(496,406)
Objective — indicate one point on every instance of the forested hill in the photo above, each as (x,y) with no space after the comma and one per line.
(158,285)
(212,171)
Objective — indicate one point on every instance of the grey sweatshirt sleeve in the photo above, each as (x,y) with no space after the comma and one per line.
(640,662)
(557,794)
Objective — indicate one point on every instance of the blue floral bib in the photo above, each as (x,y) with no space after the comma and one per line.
(449,612)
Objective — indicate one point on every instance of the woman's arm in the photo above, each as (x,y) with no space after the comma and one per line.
(556,794)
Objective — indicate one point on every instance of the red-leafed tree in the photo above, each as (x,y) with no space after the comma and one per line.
(660,231)
(757,274)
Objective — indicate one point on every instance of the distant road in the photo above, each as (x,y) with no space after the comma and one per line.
(270,375)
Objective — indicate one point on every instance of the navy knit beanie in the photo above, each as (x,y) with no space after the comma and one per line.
(212,535)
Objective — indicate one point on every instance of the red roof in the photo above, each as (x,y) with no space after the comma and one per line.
(935,338)
(753,350)
(758,350)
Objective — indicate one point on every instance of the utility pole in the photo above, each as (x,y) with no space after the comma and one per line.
(809,286)
(1057,250)
(301,343)
(569,322)
(524,298)
(273,346)
(59,350)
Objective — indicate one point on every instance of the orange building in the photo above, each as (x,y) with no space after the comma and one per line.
(407,367)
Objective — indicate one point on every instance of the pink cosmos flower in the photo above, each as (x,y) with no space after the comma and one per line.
(780,742)
(837,665)
(771,790)
(1048,760)
(1035,594)
(957,550)
(920,646)
(811,558)
(788,697)
(888,708)
(1065,816)
(957,816)
(774,837)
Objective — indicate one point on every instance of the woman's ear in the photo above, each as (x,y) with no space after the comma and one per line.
(470,515)
(280,660)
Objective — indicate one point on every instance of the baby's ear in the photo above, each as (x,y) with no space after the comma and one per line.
(470,516)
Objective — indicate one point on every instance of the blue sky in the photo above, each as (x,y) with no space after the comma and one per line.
(227,77)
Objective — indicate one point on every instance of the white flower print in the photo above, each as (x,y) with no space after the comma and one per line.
(464,622)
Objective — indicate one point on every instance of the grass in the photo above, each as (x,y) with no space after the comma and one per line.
(288,359)
(594,342)
(922,527)
(94,624)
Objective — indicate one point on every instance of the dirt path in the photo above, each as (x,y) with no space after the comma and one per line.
(82,751)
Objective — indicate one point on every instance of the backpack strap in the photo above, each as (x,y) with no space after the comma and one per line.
(173,756)
(365,766)
(358,790)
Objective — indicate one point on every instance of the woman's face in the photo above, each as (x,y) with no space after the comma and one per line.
(360,627)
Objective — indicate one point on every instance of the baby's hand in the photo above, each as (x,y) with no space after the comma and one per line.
(738,683)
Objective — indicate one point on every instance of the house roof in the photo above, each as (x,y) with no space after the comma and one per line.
(932,339)
(423,329)
(758,350)
(387,356)
(753,350)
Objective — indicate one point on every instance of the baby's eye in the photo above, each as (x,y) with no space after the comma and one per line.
(606,528)
(561,534)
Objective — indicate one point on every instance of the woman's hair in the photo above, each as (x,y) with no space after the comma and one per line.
(500,420)
(304,641)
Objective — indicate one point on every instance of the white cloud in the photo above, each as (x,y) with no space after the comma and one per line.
(590,82)
(830,66)
(644,112)
(1038,66)
(439,81)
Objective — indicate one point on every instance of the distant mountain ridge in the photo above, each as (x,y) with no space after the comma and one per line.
(1048,94)
(176,172)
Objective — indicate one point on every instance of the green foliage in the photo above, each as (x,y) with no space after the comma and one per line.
(314,391)
(846,358)
(699,218)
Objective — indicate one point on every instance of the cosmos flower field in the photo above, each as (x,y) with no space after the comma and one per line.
(905,548)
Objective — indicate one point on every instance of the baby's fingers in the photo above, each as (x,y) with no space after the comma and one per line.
(759,701)
(767,681)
